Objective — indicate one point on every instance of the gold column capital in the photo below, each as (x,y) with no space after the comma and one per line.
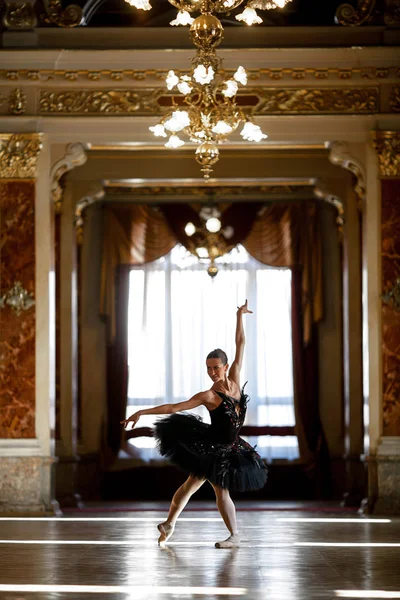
(387,147)
(19,154)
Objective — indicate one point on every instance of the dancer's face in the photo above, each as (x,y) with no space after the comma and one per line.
(215,369)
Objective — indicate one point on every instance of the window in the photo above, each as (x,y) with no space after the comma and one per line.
(178,314)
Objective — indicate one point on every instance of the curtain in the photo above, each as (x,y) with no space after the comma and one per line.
(133,234)
(288,235)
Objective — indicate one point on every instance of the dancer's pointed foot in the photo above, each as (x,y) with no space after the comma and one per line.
(233,541)
(166,530)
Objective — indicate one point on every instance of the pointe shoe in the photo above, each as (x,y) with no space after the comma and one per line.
(166,530)
(233,541)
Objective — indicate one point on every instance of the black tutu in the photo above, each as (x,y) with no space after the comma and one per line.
(214,452)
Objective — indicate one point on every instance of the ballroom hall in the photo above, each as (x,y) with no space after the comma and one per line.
(199,299)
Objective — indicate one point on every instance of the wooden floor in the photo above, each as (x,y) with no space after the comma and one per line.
(286,554)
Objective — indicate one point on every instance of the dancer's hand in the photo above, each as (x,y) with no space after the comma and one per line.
(132,419)
(243,309)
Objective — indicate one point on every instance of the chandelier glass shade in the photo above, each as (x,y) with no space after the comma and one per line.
(205,109)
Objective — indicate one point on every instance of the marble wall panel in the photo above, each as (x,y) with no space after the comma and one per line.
(17,332)
(390,314)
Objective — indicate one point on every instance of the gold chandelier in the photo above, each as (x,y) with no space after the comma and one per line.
(209,241)
(206,112)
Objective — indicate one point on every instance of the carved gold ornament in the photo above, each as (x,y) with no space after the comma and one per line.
(387,146)
(17,298)
(71,16)
(17,102)
(318,101)
(347,14)
(19,154)
(109,102)
(286,73)
(258,101)
(19,15)
(394,101)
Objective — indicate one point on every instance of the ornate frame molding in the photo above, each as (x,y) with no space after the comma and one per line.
(340,155)
(387,147)
(81,206)
(75,156)
(19,155)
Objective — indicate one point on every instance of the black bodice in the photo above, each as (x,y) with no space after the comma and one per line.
(228,418)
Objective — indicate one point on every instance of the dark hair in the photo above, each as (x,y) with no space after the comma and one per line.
(218,353)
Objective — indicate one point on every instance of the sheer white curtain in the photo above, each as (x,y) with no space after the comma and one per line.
(178,314)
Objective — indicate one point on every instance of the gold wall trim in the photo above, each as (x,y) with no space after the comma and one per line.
(387,146)
(347,14)
(19,154)
(259,101)
(306,73)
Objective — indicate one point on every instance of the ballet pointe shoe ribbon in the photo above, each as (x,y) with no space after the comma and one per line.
(233,541)
(166,530)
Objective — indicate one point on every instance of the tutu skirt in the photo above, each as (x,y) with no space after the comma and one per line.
(192,445)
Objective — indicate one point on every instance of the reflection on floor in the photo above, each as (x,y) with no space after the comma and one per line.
(292,553)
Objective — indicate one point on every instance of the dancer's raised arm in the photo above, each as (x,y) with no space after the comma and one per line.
(168,409)
(240,340)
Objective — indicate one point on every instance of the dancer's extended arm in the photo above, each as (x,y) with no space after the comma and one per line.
(240,340)
(168,409)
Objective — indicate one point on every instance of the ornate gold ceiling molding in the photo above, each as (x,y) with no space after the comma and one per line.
(387,147)
(80,208)
(348,15)
(259,101)
(19,155)
(340,155)
(75,156)
(306,73)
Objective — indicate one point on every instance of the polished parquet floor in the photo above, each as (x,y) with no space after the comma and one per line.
(299,554)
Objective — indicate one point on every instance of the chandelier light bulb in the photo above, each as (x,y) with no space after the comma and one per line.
(178,121)
(184,87)
(203,75)
(158,130)
(202,252)
(222,128)
(231,87)
(182,18)
(249,16)
(229,3)
(140,4)
(241,76)
(171,80)
(252,133)
(174,142)
(213,225)
(190,229)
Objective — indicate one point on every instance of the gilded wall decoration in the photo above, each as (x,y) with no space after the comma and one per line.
(347,14)
(317,101)
(284,73)
(17,331)
(19,154)
(109,102)
(260,101)
(390,314)
(394,101)
(70,16)
(387,146)
(19,15)
(17,102)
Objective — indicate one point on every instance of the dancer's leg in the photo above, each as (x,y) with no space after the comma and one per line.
(178,503)
(227,511)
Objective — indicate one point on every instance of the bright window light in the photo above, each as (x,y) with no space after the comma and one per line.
(331,520)
(173,296)
(366,594)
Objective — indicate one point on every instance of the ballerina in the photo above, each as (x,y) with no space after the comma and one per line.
(215,452)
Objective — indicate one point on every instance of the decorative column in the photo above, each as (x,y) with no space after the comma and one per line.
(387,146)
(26,325)
(352,326)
